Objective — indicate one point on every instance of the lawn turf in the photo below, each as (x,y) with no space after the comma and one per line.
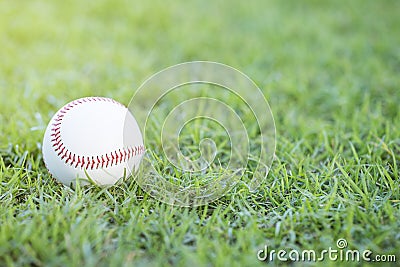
(329,69)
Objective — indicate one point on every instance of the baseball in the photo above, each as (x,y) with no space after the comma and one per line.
(92,138)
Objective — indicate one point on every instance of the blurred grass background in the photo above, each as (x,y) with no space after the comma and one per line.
(329,69)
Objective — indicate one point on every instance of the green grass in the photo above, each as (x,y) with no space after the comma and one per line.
(329,69)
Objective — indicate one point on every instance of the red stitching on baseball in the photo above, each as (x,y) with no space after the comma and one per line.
(95,162)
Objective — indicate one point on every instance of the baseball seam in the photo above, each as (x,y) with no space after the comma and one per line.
(88,162)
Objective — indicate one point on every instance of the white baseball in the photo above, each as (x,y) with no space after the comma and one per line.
(92,136)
